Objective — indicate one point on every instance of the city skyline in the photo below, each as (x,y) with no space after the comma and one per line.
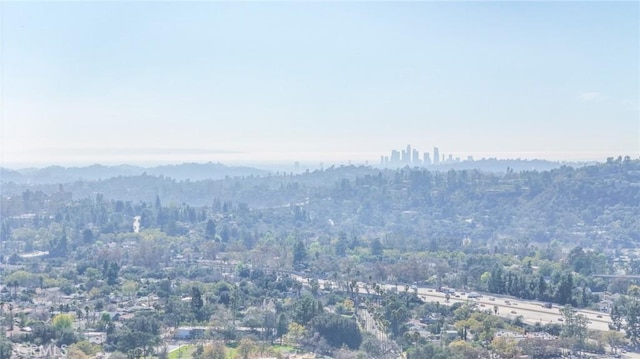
(154,157)
(411,156)
(166,82)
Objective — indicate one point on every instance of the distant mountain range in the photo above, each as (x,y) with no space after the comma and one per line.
(214,171)
(185,171)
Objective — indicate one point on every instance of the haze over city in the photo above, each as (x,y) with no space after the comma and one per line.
(319,179)
(244,82)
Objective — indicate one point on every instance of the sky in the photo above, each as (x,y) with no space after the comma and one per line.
(125,82)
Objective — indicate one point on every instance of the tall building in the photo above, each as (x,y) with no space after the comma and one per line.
(426,159)
(436,156)
(408,159)
(395,157)
(415,157)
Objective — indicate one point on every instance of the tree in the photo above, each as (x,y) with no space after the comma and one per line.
(337,330)
(574,326)
(506,348)
(111,272)
(564,294)
(5,348)
(496,282)
(139,333)
(306,308)
(462,349)
(210,230)
(315,286)
(86,313)
(614,339)
(87,236)
(62,321)
(74,352)
(632,320)
(296,331)
(376,248)
(283,326)
(196,302)
(59,247)
(63,329)
(214,351)
(372,346)
(341,245)
(541,288)
(299,255)
(5,231)
(617,314)
(129,288)
(246,347)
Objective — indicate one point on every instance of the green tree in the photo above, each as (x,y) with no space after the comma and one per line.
(111,272)
(246,347)
(574,325)
(306,308)
(376,248)
(299,255)
(337,330)
(617,314)
(196,301)
(614,339)
(341,245)
(564,293)
(214,351)
(210,230)
(632,320)
(139,333)
(506,348)
(87,236)
(5,348)
(62,321)
(283,326)
(496,281)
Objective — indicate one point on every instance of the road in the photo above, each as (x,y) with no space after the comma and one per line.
(369,324)
(532,312)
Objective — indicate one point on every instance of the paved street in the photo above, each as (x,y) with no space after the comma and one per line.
(531,311)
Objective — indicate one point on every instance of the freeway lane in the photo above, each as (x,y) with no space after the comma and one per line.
(531,311)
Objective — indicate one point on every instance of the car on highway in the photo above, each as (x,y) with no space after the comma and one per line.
(473,295)
(599,316)
(514,312)
(560,320)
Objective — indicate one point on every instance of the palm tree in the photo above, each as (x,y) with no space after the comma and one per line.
(15,288)
(11,317)
(86,311)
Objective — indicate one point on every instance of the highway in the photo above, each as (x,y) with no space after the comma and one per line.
(532,312)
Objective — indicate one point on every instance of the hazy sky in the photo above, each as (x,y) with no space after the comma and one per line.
(118,81)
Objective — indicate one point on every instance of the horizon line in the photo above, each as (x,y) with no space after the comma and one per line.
(275,162)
